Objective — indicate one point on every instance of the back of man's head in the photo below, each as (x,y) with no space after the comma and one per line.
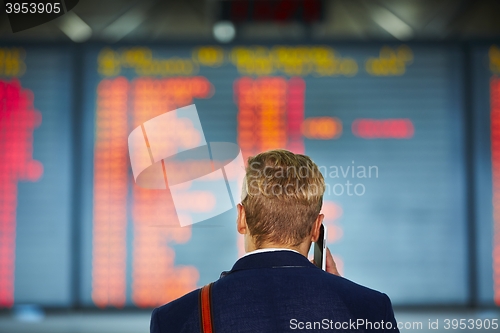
(282,197)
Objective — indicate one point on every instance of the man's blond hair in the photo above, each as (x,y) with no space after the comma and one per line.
(283,195)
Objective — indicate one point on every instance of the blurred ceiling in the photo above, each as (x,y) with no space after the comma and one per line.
(176,20)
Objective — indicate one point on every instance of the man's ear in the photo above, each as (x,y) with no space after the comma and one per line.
(315,228)
(241,221)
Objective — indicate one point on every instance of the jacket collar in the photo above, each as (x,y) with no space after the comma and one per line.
(272,259)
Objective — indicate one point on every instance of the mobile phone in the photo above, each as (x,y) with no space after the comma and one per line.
(320,248)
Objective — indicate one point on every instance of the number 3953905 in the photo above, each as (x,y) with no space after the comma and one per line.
(32,8)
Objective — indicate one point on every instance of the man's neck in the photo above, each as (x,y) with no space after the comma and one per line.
(267,249)
(303,248)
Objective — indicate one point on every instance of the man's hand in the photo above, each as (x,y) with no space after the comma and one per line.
(331,266)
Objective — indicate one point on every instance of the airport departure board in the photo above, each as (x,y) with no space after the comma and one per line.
(384,123)
(35,175)
(486,103)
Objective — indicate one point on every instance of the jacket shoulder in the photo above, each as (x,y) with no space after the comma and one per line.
(180,315)
(365,302)
(360,289)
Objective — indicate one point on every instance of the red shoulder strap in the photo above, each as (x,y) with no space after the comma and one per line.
(206,324)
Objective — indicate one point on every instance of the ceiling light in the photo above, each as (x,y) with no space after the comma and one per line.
(74,27)
(224,31)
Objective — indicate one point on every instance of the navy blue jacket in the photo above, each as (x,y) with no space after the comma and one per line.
(280,291)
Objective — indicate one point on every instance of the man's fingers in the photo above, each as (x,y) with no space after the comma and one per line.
(331,267)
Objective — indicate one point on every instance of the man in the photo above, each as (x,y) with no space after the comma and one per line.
(274,287)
